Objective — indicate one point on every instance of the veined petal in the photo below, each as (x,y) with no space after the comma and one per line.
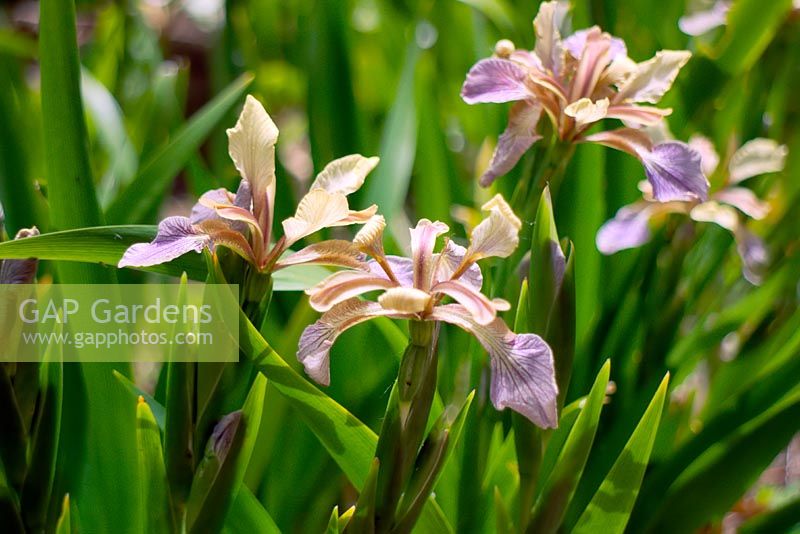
(755,157)
(547,26)
(20,271)
(423,239)
(315,343)
(405,300)
(476,303)
(653,77)
(450,259)
(498,234)
(251,144)
(370,238)
(222,234)
(629,228)
(629,140)
(317,210)
(638,115)
(674,171)
(523,376)
(357,217)
(345,175)
(345,285)
(517,138)
(202,210)
(724,216)
(335,252)
(585,112)
(576,42)
(709,159)
(402,269)
(495,80)
(176,236)
(592,62)
(744,200)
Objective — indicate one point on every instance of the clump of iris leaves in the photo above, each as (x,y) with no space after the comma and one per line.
(684,374)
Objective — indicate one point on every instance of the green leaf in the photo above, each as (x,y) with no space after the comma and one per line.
(363,520)
(144,194)
(14,442)
(333,522)
(107,244)
(38,487)
(751,26)
(248,516)
(134,392)
(388,186)
(221,472)
(498,11)
(64,524)
(154,497)
(546,257)
(610,507)
(559,485)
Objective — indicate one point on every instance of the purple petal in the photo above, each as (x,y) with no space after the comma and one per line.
(495,80)
(343,286)
(628,229)
(316,341)
(754,254)
(576,42)
(20,271)
(476,303)
(423,239)
(702,22)
(523,376)
(402,268)
(201,212)
(517,138)
(176,236)
(451,257)
(675,172)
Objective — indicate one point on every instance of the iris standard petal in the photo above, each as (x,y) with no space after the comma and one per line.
(495,80)
(586,112)
(317,210)
(755,157)
(450,259)
(405,300)
(345,175)
(523,375)
(402,268)
(423,239)
(316,341)
(654,77)
(176,236)
(202,210)
(576,42)
(498,234)
(547,26)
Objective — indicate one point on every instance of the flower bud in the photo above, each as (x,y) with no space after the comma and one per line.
(504,48)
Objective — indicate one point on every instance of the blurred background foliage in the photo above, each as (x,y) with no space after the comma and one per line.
(160,80)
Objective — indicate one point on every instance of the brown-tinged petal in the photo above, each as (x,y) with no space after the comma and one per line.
(315,343)
(317,210)
(547,26)
(405,300)
(345,285)
(336,252)
(523,375)
(498,234)
(222,234)
(20,271)
(638,115)
(450,260)
(423,239)
(653,77)
(576,43)
(369,238)
(176,236)
(593,61)
(744,200)
(402,269)
(755,157)
(251,144)
(202,211)
(345,175)
(517,138)
(634,142)
(476,303)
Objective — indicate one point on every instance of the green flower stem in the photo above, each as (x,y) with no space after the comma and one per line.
(406,418)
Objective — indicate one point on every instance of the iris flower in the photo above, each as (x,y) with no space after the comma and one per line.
(242,222)
(19,271)
(414,288)
(728,206)
(577,81)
